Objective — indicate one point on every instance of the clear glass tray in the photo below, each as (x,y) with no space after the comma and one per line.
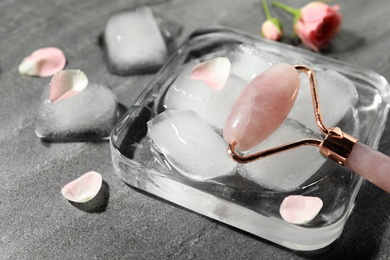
(252,209)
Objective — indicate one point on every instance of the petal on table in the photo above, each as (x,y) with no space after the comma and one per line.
(83,188)
(43,62)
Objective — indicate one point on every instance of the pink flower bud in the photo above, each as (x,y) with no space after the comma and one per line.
(271,30)
(318,23)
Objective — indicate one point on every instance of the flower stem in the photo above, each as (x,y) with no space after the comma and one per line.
(286,8)
(266,10)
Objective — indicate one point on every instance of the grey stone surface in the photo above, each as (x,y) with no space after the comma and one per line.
(36,222)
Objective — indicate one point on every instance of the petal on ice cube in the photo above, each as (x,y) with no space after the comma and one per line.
(44,62)
(213,72)
(84,188)
(298,209)
(133,42)
(191,146)
(211,105)
(287,170)
(67,83)
(337,96)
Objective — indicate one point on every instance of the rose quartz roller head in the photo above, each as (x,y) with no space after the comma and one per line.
(262,106)
(337,145)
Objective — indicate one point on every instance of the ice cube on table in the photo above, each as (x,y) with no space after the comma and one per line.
(89,115)
(190,145)
(211,105)
(288,170)
(337,96)
(133,42)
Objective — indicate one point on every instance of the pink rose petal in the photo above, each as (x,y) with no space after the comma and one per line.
(299,209)
(214,73)
(67,83)
(43,62)
(83,188)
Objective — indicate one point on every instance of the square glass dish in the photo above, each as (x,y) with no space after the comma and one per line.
(242,204)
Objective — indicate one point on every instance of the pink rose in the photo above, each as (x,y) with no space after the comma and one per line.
(318,24)
(315,24)
(271,31)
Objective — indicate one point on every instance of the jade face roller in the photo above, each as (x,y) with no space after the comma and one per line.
(263,106)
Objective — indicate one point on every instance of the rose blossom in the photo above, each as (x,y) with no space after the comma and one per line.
(318,24)
(315,24)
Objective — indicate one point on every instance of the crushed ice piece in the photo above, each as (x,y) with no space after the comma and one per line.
(289,169)
(211,105)
(44,62)
(337,95)
(89,115)
(133,42)
(297,209)
(213,72)
(67,83)
(84,188)
(190,145)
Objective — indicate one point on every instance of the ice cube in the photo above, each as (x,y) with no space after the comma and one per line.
(89,115)
(337,95)
(287,170)
(170,30)
(133,42)
(211,105)
(190,145)
(246,65)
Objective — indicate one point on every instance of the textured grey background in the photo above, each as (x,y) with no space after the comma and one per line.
(36,222)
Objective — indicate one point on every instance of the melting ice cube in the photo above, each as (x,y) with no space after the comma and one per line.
(211,105)
(89,115)
(190,145)
(287,170)
(133,42)
(337,95)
